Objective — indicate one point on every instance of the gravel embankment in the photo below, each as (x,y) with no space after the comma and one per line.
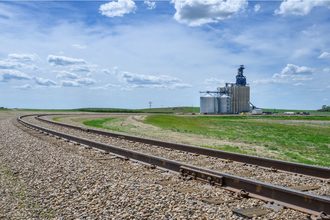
(42,178)
(244,170)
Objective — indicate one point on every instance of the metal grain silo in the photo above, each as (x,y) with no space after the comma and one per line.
(209,105)
(225,104)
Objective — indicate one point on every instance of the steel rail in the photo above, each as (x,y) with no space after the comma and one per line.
(316,171)
(304,202)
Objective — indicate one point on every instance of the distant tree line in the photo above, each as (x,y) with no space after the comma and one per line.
(325,108)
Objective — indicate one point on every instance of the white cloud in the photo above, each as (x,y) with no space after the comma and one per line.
(113,71)
(80,69)
(106,86)
(117,8)
(290,74)
(324,55)
(7,64)
(67,83)
(150,4)
(25,58)
(298,84)
(44,82)
(199,12)
(79,46)
(23,87)
(66,75)
(292,70)
(16,61)
(151,81)
(78,82)
(300,7)
(64,61)
(257,7)
(7,75)
(85,81)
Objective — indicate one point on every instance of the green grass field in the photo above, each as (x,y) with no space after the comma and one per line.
(303,139)
(299,142)
(97,123)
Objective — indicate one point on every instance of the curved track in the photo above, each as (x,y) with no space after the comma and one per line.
(299,168)
(287,197)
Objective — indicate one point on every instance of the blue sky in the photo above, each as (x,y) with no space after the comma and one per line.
(123,53)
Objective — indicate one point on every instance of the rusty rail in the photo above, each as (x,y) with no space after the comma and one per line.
(304,202)
(316,171)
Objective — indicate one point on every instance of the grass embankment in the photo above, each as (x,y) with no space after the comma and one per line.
(300,142)
(106,123)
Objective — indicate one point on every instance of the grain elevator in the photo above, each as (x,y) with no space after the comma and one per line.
(233,98)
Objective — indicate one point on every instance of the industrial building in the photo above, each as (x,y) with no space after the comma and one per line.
(233,98)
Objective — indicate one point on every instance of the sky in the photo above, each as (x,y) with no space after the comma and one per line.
(124,53)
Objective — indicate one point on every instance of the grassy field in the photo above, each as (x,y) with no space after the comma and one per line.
(97,123)
(300,142)
(303,139)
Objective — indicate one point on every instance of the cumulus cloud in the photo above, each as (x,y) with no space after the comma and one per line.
(324,55)
(67,83)
(44,82)
(78,82)
(106,86)
(257,8)
(22,57)
(117,8)
(299,84)
(19,62)
(292,69)
(290,74)
(293,73)
(85,81)
(23,87)
(66,75)
(7,75)
(113,71)
(199,12)
(150,4)
(151,81)
(300,7)
(80,69)
(8,64)
(64,61)
(15,61)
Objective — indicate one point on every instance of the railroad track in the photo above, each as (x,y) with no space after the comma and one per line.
(304,169)
(304,202)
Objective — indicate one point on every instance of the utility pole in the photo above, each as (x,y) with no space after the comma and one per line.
(150,104)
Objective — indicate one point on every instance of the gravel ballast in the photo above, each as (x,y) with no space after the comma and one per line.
(42,178)
(245,170)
